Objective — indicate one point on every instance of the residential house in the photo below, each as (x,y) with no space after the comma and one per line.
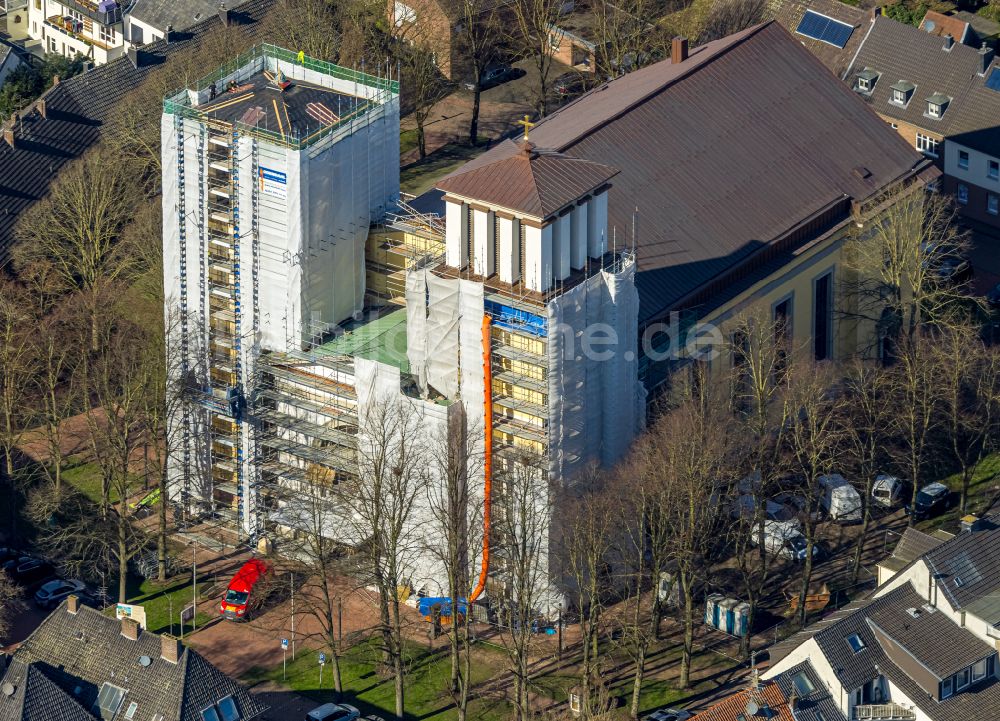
(147,21)
(943,97)
(741,162)
(78,27)
(912,544)
(10,58)
(438,24)
(77,113)
(829,29)
(923,646)
(80,665)
(941,25)
(796,695)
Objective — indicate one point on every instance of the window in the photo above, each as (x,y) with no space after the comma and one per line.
(227,707)
(108,700)
(928,145)
(979,670)
(132,708)
(963,159)
(962,679)
(209,714)
(822,316)
(898,96)
(136,34)
(993,172)
(962,193)
(803,686)
(946,688)
(934,110)
(855,642)
(782,336)
(993,204)
(107,35)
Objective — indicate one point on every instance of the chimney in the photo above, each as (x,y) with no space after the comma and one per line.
(224,14)
(73,604)
(41,106)
(985,59)
(876,11)
(133,56)
(130,629)
(949,43)
(678,50)
(168,34)
(8,134)
(55,80)
(170,648)
(793,701)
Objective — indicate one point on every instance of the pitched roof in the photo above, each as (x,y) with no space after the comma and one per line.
(912,544)
(77,108)
(81,652)
(818,704)
(967,569)
(901,52)
(939,24)
(769,699)
(178,14)
(529,180)
(943,647)
(790,13)
(35,698)
(854,669)
(743,142)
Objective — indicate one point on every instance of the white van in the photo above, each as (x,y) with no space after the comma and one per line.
(840,499)
(887,491)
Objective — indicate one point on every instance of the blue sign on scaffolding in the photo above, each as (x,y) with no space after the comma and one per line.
(506,316)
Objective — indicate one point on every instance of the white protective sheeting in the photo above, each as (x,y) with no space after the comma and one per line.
(470,352)
(441,339)
(595,397)
(416,324)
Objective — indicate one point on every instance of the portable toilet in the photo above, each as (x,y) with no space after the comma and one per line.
(712,609)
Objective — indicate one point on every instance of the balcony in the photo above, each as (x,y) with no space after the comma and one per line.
(883,712)
(105,13)
(73,30)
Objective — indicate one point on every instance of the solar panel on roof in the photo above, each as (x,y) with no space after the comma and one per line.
(993,81)
(825,29)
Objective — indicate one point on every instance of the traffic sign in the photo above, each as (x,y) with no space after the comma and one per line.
(284,644)
(322,659)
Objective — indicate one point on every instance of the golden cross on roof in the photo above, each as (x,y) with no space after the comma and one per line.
(528,125)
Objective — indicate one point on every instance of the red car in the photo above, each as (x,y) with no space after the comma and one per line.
(245,591)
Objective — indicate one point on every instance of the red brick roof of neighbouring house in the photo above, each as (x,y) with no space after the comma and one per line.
(769,701)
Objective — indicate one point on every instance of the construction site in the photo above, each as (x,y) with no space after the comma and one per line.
(308,292)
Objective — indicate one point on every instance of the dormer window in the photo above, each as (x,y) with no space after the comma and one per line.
(937,104)
(866,80)
(902,91)
(855,642)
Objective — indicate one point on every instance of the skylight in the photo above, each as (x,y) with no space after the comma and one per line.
(825,29)
(855,642)
(209,714)
(993,81)
(803,686)
(108,700)
(227,706)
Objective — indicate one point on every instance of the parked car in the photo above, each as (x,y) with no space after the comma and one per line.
(27,570)
(745,507)
(493,76)
(840,499)
(247,591)
(887,491)
(333,712)
(931,500)
(669,714)
(52,593)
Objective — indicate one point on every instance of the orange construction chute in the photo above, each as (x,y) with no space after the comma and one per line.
(487,455)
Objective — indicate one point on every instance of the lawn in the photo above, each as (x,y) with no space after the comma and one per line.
(983,488)
(86,478)
(420,176)
(427,680)
(160,601)
(407,140)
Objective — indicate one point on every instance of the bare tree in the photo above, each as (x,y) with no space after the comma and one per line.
(479,43)
(422,85)
(531,34)
(522,501)
(726,17)
(11,603)
(458,539)
(393,462)
(625,34)
(695,443)
(969,382)
(903,265)
(867,434)
(813,437)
